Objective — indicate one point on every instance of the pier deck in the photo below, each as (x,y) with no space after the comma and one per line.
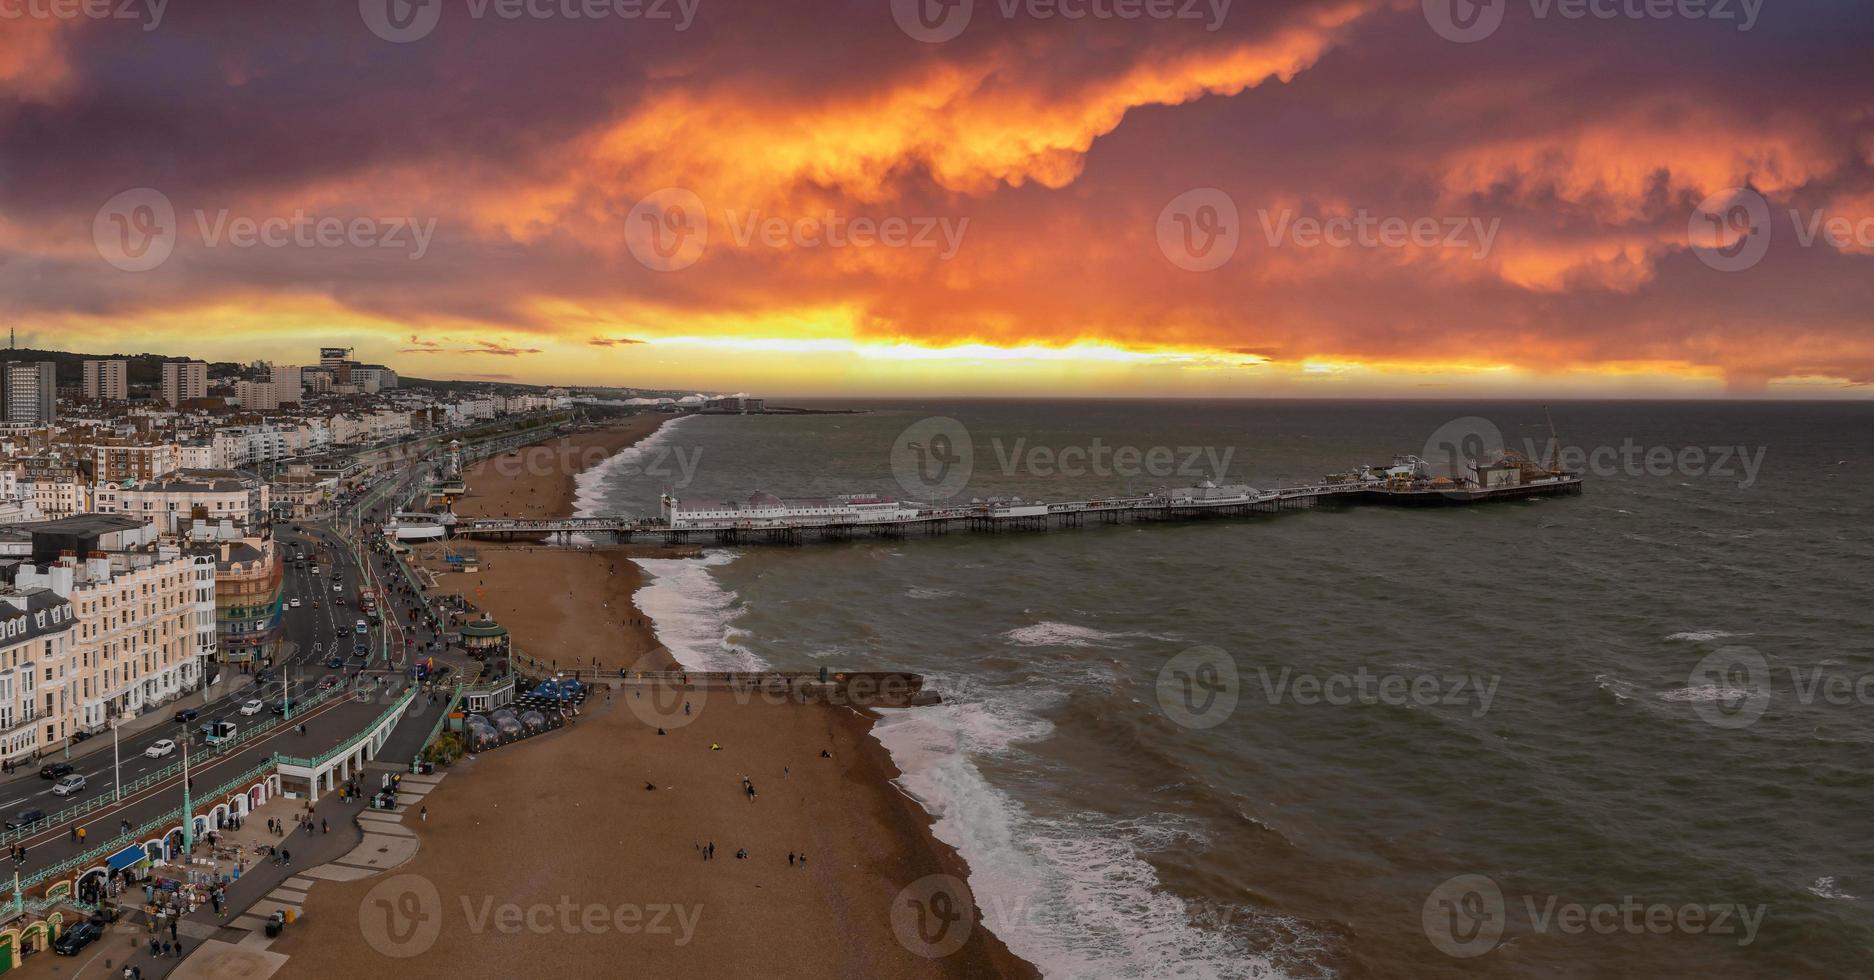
(990,517)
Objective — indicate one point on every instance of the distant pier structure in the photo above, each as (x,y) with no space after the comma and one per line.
(764,518)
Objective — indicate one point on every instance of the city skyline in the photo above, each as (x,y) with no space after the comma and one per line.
(1340,199)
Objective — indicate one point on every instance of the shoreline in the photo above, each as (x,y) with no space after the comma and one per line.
(873,842)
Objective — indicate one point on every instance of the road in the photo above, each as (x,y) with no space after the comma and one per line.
(317,626)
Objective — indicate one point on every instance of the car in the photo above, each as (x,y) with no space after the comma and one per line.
(73,783)
(252,706)
(77,937)
(159,749)
(186,715)
(360,653)
(361,628)
(335,661)
(55,770)
(25,818)
(277,707)
(294,603)
(80,735)
(338,587)
(328,681)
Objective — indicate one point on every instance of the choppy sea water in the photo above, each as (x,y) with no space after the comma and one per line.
(1619,733)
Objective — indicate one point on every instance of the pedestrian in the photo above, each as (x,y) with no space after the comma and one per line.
(155,946)
(324,827)
(422,814)
(790,859)
(163,948)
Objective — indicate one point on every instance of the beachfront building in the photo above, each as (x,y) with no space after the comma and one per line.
(249,615)
(137,644)
(36,629)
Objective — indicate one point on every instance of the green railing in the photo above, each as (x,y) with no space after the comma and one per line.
(343,747)
(150,779)
(142,832)
(442,718)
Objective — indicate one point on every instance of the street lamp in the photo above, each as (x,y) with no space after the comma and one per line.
(188,806)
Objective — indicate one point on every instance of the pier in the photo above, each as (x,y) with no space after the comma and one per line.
(772,522)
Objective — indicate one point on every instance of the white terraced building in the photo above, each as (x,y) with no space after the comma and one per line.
(36,631)
(144,612)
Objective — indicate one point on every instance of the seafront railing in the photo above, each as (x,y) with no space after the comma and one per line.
(141,832)
(147,780)
(352,744)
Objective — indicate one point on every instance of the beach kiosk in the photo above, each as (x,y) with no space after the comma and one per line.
(485,639)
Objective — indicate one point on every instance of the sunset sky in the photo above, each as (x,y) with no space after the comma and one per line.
(1285,197)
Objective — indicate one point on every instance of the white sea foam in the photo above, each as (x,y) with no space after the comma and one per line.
(1824,887)
(1706,693)
(590,497)
(1072,895)
(1050,634)
(693,614)
(1702,636)
(916,592)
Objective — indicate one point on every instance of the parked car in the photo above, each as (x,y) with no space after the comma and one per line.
(54,770)
(186,715)
(159,749)
(77,937)
(252,706)
(26,818)
(67,786)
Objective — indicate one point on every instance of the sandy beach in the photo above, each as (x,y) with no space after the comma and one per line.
(609,877)
(566,821)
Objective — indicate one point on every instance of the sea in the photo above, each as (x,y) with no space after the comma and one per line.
(1625,733)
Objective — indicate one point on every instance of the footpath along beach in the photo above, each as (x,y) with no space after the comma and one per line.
(555,853)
